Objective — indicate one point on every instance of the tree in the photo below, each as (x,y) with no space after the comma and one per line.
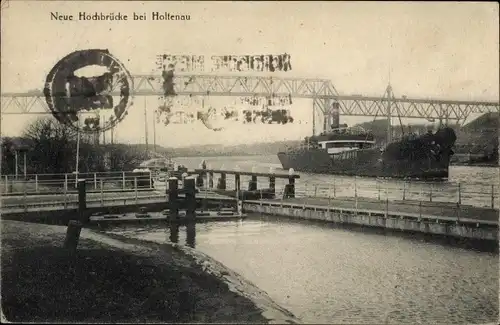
(125,157)
(8,156)
(53,147)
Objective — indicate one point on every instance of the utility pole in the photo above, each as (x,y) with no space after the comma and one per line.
(314,118)
(146,124)
(389,126)
(154,134)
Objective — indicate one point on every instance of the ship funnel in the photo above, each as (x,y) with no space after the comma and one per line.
(332,117)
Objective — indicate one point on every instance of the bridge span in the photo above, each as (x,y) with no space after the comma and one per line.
(320,91)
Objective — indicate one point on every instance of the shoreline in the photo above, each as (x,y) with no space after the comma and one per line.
(112,278)
(274,313)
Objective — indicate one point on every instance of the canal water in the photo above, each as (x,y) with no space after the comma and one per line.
(479,186)
(324,274)
(328,275)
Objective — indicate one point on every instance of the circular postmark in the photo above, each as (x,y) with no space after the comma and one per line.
(93,103)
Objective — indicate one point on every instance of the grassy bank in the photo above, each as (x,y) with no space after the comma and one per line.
(105,283)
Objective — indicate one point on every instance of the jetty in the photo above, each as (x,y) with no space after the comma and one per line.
(207,194)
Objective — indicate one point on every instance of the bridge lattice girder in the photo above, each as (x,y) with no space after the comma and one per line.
(321,90)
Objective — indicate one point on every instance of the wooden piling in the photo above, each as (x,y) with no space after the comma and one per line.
(173,196)
(252,185)
(237,186)
(75,226)
(72,235)
(221,185)
(190,192)
(291,187)
(272,185)
(211,179)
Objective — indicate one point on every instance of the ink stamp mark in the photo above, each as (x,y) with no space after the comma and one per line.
(93,103)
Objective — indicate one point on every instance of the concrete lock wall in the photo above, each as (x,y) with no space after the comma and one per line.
(380,220)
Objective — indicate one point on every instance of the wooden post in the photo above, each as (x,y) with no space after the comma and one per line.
(404,190)
(201,175)
(378,189)
(430,193)
(24,169)
(72,235)
(6,184)
(102,192)
(190,192)
(95,181)
(211,180)
(356,189)
(199,180)
(135,189)
(291,187)
(173,197)
(16,162)
(492,196)
(334,188)
(386,203)
(459,194)
(183,177)
(355,194)
(237,182)
(36,183)
(252,185)
(65,182)
(291,183)
(123,180)
(24,194)
(75,226)
(222,182)
(65,197)
(82,201)
(272,185)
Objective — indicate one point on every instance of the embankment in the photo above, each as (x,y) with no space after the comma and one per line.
(113,279)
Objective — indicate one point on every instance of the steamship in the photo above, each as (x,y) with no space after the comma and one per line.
(353,151)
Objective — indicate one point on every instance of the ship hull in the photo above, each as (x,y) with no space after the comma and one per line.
(365,163)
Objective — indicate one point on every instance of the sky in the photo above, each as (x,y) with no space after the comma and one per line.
(447,50)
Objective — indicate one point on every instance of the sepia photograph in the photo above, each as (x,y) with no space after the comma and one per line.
(266,162)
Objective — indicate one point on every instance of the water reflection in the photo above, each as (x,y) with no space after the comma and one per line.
(190,233)
(174,232)
(331,275)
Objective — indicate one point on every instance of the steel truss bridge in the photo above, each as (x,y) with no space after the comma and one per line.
(321,91)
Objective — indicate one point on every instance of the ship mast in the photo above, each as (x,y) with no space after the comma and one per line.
(389,126)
